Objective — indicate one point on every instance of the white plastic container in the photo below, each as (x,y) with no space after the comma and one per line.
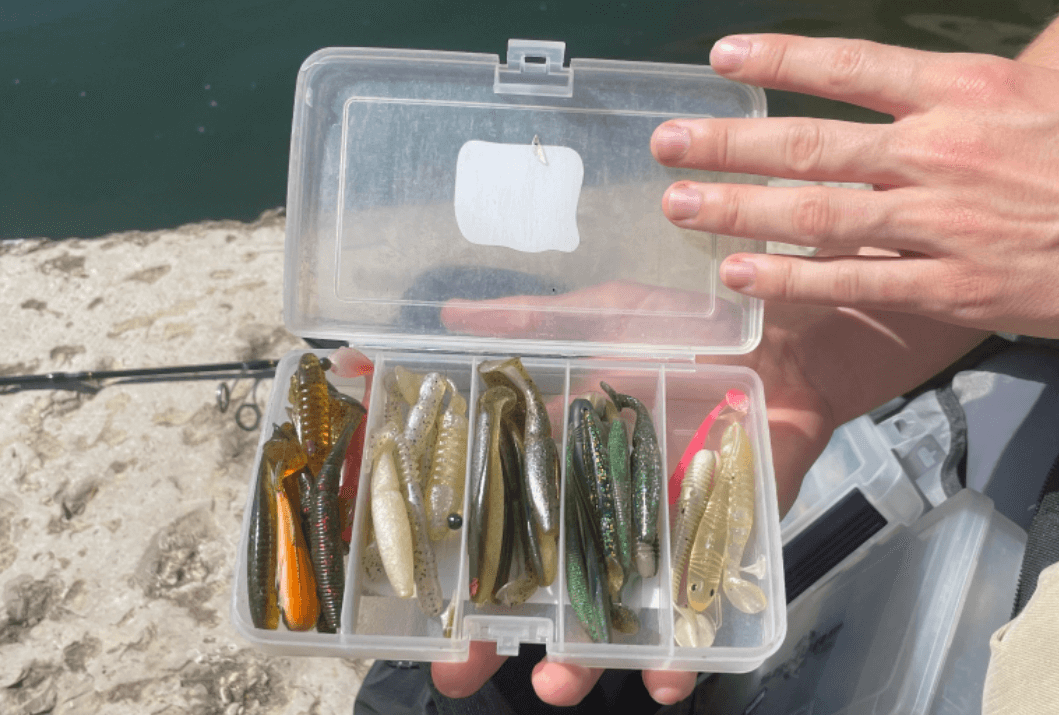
(905,630)
(382,230)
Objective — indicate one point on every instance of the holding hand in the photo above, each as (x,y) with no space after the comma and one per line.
(968,179)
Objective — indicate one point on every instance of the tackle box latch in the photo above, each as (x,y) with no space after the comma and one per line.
(508,631)
(534,67)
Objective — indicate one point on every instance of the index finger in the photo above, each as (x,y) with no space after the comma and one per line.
(884,78)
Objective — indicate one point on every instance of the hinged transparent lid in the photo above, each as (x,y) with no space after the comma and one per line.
(417,177)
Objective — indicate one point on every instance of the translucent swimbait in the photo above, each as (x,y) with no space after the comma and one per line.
(694,495)
(297,585)
(407,383)
(693,630)
(394,406)
(708,550)
(424,414)
(393,535)
(738,466)
(541,458)
(325,529)
(311,405)
(448,467)
(490,510)
(646,482)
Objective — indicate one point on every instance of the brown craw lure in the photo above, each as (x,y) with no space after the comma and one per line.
(310,400)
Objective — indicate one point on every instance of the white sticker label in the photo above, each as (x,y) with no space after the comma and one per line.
(522,196)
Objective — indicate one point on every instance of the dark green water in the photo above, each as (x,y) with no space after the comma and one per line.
(143,114)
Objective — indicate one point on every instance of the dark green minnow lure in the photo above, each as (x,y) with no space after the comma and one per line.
(588,433)
(618,451)
(646,482)
(325,528)
(588,594)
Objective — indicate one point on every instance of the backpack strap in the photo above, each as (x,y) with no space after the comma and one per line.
(1042,542)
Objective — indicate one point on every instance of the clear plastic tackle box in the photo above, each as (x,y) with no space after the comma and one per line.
(419,177)
(852,497)
(904,629)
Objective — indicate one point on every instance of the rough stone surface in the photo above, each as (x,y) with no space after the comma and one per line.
(120,509)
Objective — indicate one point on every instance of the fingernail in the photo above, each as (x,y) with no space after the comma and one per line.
(729,53)
(671,142)
(683,203)
(666,696)
(738,275)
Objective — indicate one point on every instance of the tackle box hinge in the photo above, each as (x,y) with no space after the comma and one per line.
(534,67)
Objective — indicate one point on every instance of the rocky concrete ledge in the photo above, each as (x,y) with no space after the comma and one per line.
(120,510)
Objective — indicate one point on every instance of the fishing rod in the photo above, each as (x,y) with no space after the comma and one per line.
(247,415)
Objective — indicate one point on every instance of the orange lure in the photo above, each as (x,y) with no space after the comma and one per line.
(297,585)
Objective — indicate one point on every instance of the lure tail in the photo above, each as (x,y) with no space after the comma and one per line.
(734,400)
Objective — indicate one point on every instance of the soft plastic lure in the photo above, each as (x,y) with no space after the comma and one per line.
(261,554)
(490,503)
(589,596)
(281,457)
(738,460)
(693,630)
(734,405)
(393,535)
(297,585)
(694,495)
(394,406)
(425,570)
(541,457)
(522,553)
(646,482)
(325,530)
(708,551)
(350,363)
(618,452)
(592,466)
(422,418)
(311,404)
(448,467)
